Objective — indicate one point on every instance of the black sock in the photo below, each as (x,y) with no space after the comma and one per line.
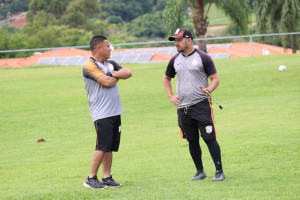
(215,153)
(196,154)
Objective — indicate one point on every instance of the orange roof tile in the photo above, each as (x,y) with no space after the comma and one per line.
(160,57)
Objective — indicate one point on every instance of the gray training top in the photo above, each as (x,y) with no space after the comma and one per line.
(103,101)
(192,71)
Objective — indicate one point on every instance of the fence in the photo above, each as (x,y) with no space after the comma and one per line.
(119,53)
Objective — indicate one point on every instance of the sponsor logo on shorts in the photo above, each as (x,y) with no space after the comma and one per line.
(119,129)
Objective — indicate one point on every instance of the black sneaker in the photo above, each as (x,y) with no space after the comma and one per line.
(110,182)
(219,176)
(199,175)
(93,183)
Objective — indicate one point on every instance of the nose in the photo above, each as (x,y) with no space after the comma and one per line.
(111,48)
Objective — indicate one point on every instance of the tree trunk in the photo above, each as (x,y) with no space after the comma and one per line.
(294,43)
(200,24)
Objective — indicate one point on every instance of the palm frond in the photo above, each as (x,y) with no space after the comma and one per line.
(237,10)
(173,15)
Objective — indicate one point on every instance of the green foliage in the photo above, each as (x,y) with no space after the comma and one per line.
(130,9)
(9,29)
(147,25)
(237,12)
(99,26)
(42,20)
(18,41)
(57,36)
(119,38)
(173,15)
(114,19)
(4,39)
(55,7)
(10,7)
(78,12)
(281,16)
(49,36)
(126,10)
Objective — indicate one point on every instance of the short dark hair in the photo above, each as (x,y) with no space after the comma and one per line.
(96,39)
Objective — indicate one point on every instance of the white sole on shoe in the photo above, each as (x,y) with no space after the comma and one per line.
(86,185)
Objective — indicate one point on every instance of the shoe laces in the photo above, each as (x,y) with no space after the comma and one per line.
(96,179)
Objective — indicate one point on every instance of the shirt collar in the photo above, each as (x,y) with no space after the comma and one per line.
(189,54)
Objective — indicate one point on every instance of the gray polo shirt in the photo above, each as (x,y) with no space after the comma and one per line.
(192,71)
(103,101)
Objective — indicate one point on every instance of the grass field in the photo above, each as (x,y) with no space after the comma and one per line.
(258,131)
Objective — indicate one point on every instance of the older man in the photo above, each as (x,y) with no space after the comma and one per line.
(100,77)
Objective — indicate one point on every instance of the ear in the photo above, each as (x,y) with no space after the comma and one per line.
(98,47)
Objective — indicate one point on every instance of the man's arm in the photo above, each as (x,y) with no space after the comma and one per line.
(122,73)
(168,86)
(107,81)
(214,82)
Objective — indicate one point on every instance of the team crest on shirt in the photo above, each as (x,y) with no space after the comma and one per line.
(194,62)
(208,129)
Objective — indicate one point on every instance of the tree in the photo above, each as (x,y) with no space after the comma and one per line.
(281,15)
(56,7)
(78,12)
(41,21)
(128,10)
(236,10)
(147,26)
(12,6)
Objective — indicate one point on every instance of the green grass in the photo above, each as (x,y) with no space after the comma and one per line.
(258,131)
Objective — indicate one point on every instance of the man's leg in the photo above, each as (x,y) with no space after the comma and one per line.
(97,159)
(215,152)
(190,128)
(107,179)
(108,156)
(196,154)
(106,164)
(92,180)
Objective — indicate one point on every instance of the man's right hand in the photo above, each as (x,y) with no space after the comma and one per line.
(174,100)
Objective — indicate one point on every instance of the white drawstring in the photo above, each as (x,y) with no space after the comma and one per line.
(186,109)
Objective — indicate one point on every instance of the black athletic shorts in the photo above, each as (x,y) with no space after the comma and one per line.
(197,117)
(182,134)
(108,133)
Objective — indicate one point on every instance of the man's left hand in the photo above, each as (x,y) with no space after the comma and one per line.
(205,91)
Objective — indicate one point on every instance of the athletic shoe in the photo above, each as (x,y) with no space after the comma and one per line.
(219,176)
(199,175)
(93,183)
(110,182)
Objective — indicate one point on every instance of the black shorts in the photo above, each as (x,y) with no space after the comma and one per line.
(108,133)
(197,117)
(182,134)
